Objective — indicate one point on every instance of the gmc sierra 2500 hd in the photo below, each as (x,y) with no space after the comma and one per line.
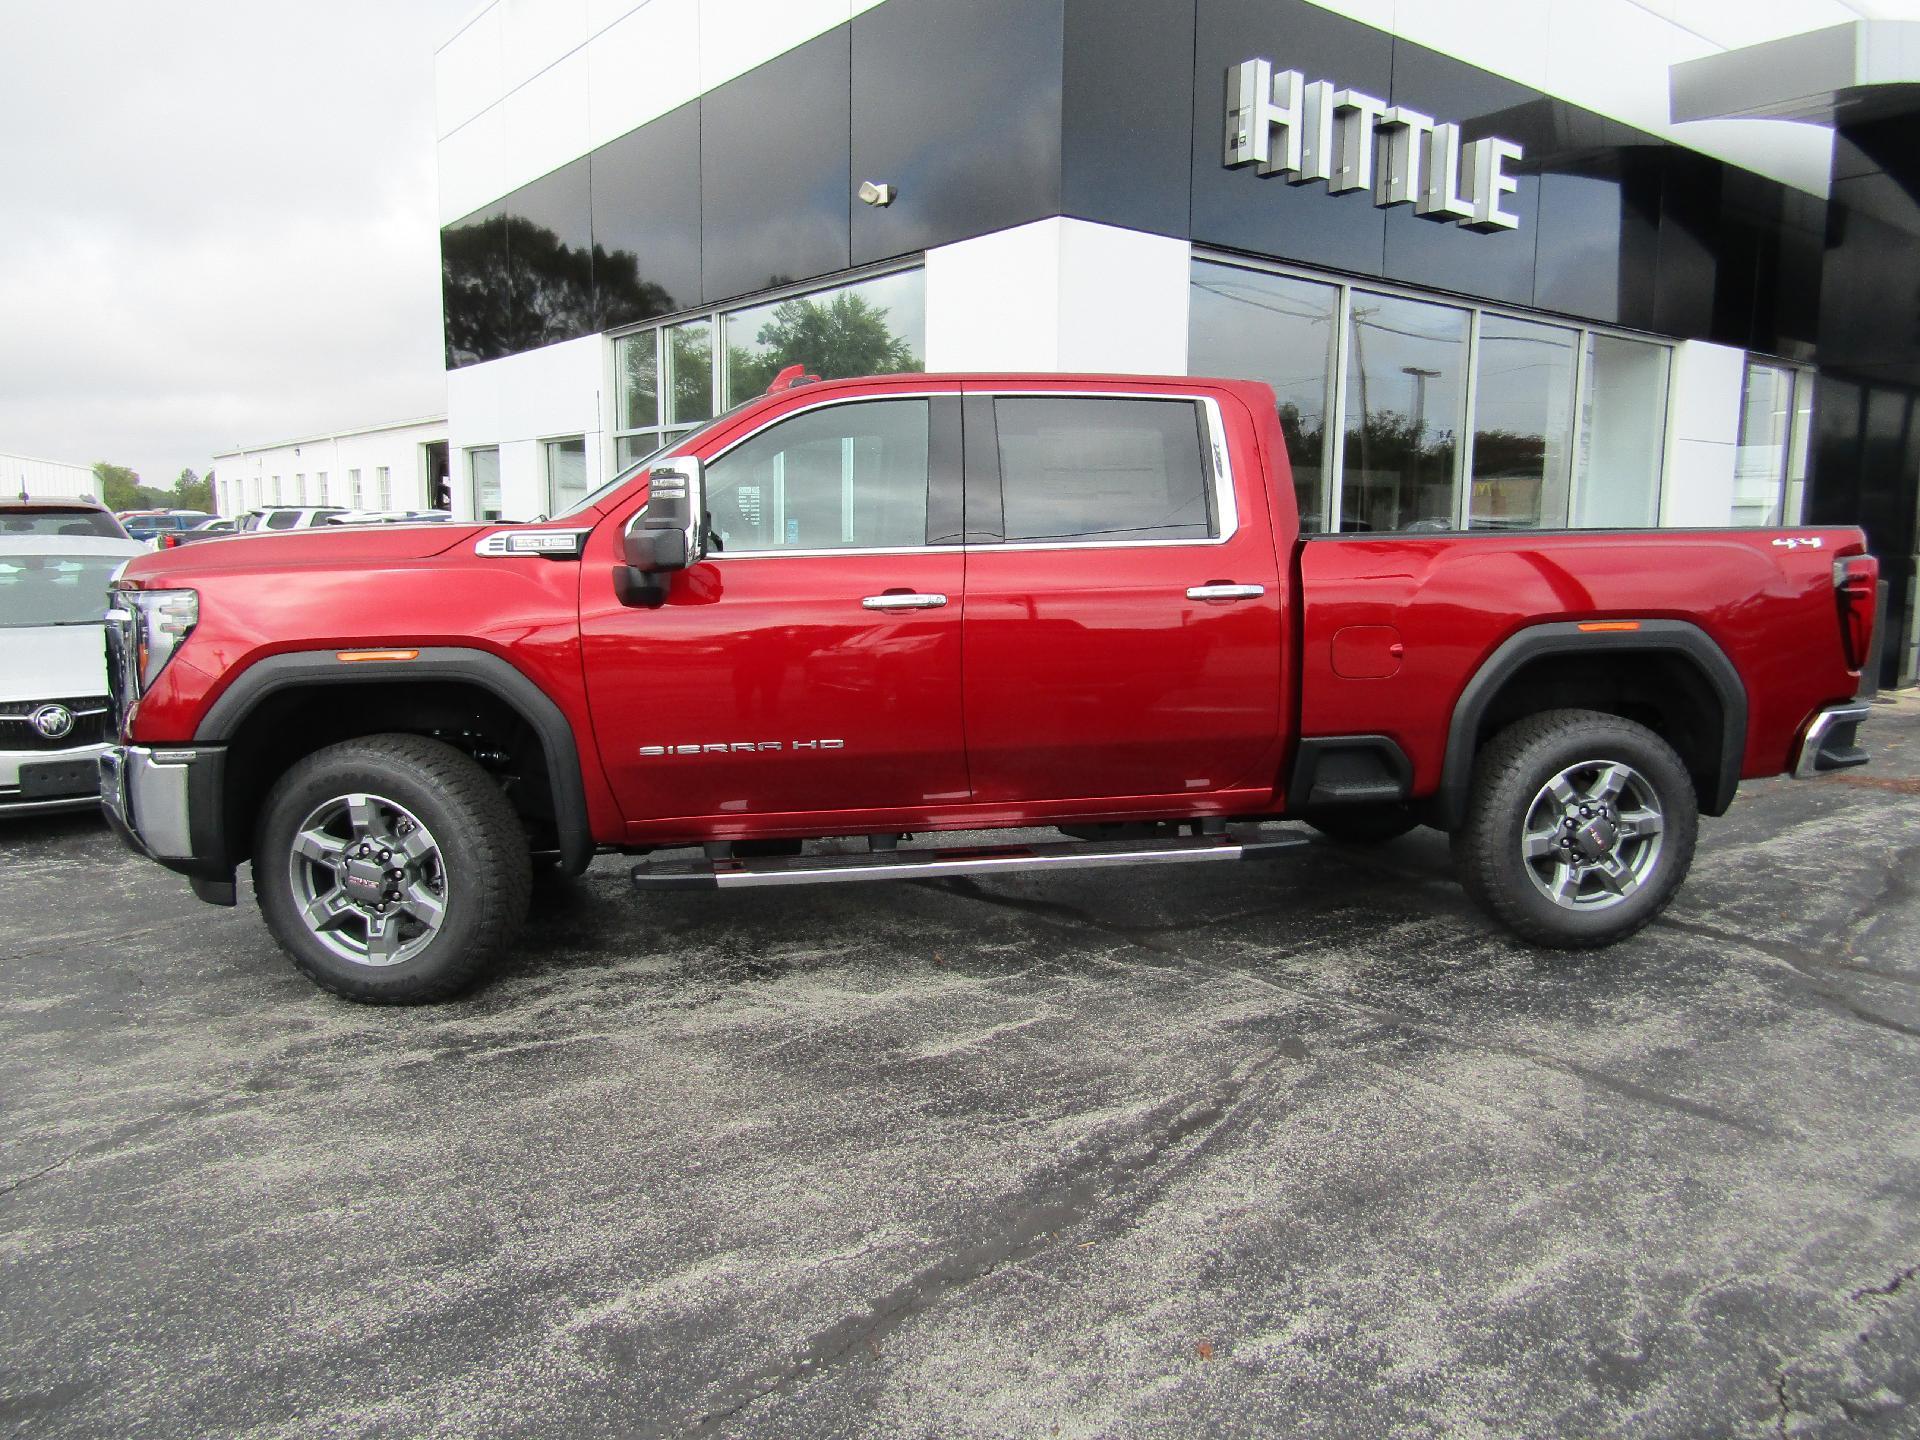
(890,607)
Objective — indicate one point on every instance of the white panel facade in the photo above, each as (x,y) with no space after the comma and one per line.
(1146,335)
(45,479)
(544,123)
(740,34)
(993,302)
(473,166)
(638,70)
(519,403)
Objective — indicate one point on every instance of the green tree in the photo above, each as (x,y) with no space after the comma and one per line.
(847,335)
(190,492)
(119,488)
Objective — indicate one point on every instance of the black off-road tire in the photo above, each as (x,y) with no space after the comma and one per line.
(1365,824)
(480,840)
(1508,775)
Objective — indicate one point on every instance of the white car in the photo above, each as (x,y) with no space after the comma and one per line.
(54,716)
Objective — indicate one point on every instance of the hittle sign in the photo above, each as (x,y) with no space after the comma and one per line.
(1353,141)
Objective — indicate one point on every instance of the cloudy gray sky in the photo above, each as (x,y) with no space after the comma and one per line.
(217,223)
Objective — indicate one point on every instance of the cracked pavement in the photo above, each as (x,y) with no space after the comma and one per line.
(1304,1148)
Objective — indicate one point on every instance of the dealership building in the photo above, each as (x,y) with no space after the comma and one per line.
(1507,263)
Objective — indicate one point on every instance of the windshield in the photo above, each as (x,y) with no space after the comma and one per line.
(54,589)
(50,521)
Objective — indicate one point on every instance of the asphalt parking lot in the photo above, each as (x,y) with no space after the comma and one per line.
(1305,1148)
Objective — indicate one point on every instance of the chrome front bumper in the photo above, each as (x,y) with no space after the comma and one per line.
(1832,741)
(165,802)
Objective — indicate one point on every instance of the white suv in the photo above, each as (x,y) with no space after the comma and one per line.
(55,564)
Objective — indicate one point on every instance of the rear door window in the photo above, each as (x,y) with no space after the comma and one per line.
(1082,470)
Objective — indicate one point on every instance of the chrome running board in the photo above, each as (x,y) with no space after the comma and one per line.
(731,874)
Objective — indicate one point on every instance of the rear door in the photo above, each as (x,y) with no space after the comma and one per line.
(1123,632)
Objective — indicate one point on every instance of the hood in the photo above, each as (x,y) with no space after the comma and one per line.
(329,546)
(52,662)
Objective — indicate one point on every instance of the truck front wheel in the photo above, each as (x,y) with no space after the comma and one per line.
(391,869)
(1579,829)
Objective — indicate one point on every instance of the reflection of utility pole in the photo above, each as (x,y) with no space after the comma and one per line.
(1420,378)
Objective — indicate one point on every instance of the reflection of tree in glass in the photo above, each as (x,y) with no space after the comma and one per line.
(692,357)
(509,285)
(622,296)
(841,336)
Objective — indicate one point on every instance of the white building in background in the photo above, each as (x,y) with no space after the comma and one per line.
(397,466)
(46,479)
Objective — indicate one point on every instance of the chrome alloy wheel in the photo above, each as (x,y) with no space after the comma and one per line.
(1592,835)
(368,879)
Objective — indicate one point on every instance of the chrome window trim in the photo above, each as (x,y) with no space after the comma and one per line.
(1225,496)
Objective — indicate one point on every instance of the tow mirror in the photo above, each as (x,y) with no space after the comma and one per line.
(668,535)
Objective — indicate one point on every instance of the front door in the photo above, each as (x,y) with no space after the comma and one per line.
(1123,629)
(812,663)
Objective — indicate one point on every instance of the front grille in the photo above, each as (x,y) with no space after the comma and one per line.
(123,663)
(92,724)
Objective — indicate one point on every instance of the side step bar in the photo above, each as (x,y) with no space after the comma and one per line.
(955,860)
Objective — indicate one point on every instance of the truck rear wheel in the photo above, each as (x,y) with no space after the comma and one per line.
(391,869)
(1579,829)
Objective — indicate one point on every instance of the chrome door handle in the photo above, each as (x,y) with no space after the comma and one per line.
(1225,592)
(904,602)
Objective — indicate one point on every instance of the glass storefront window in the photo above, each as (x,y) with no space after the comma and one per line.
(638,406)
(1522,425)
(566,473)
(483,471)
(1623,427)
(1405,404)
(665,382)
(1766,433)
(875,327)
(1257,326)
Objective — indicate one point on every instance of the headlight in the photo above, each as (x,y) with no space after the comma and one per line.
(162,620)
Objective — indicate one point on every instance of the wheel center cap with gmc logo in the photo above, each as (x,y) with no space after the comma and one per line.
(52,722)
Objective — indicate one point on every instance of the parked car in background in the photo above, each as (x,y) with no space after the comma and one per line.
(389,517)
(162,525)
(289,517)
(207,530)
(54,714)
(27,516)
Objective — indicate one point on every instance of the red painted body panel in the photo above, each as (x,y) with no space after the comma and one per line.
(1455,598)
(1073,683)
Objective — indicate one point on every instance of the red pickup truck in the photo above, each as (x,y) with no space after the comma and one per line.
(853,613)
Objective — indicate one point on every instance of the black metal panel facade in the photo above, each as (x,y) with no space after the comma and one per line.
(646,220)
(774,198)
(958,108)
(992,113)
(1867,408)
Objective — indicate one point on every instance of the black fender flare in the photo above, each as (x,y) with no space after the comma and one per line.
(497,677)
(1670,637)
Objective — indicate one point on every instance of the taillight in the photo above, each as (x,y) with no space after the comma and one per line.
(1856,583)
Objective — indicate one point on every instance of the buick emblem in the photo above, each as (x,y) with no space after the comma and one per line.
(52,722)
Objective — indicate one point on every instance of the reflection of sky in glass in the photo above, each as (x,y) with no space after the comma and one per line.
(1398,343)
(1251,326)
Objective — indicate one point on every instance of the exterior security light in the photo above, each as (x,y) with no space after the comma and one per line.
(872,193)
